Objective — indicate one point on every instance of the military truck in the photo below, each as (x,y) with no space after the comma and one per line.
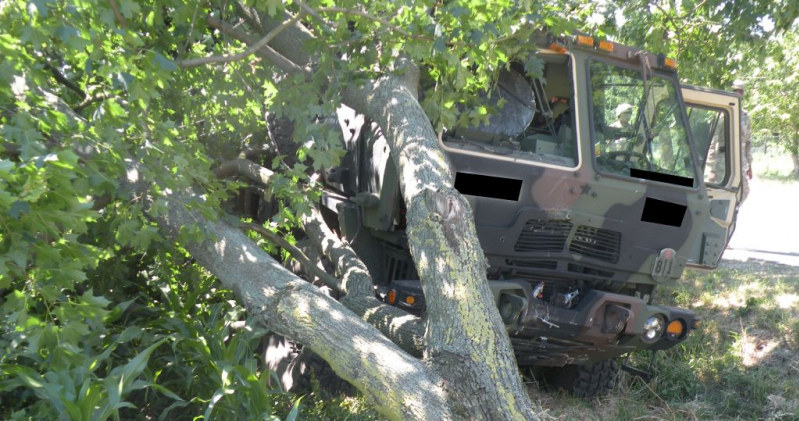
(593,184)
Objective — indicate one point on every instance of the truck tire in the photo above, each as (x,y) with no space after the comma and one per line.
(584,381)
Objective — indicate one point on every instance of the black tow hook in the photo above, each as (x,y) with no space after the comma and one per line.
(637,372)
(645,375)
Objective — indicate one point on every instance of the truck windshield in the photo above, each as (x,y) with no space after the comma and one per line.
(638,128)
(532,118)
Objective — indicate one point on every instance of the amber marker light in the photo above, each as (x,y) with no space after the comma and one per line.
(392,297)
(584,41)
(558,48)
(410,300)
(605,46)
(670,63)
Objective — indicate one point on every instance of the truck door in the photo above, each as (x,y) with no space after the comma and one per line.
(714,117)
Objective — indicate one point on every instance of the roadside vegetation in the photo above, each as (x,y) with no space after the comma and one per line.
(108,109)
(772,163)
(741,363)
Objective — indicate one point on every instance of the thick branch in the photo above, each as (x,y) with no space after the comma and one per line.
(464,324)
(118,15)
(400,386)
(296,253)
(89,100)
(355,281)
(64,81)
(263,42)
(291,43)
(246,168)
(265,51)
(404,329)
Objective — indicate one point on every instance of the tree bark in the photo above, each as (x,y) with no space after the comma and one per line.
(467,342)
(354,279)
(794,149)
(402,328)
(397,384)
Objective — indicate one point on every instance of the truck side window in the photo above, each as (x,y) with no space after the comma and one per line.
(638,129)
(709,127)
(534,121)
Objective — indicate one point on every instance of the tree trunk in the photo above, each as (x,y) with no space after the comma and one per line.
(467,345)
(467,341)
(794,149)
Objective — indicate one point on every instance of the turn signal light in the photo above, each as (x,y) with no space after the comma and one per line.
(410,300)
(670,63)
(675,329)
(392,297)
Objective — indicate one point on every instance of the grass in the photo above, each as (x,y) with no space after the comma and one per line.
(774,164)
(741,363)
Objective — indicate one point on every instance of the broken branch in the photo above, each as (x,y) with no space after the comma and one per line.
(249,51)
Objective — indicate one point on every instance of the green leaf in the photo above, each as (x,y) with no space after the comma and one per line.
(6,165)
(18,209)
(295,411)
(163,63)
(440,45)
(130,371)
(95,300)
(168,393)
(129,8)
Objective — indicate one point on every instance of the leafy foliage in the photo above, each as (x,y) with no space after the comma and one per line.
(100,316)
(776,108)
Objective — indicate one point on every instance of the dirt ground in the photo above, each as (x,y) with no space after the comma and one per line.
(768,224)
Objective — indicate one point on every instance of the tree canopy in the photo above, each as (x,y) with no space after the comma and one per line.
(115,114)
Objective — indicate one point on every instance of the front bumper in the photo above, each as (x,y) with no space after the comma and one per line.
(597,326)
(601,325)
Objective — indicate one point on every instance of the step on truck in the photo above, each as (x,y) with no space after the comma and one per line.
(593,184)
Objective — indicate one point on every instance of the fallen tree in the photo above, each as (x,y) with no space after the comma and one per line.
(457,362)
(467,349)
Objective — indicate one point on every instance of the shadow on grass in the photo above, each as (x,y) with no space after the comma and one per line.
(742,362)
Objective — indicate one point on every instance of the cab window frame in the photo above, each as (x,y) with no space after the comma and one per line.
(706,150)
(680,114)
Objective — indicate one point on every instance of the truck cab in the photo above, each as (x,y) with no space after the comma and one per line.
(588,191)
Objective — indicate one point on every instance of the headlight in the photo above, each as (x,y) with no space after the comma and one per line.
(653,328)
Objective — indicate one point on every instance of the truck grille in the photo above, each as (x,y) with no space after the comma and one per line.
(542,235)
(596,243)
(397,264)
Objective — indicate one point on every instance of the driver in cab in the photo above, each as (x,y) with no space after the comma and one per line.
(619,130)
